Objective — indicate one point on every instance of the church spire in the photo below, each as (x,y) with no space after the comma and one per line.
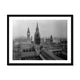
(28,31)
(37,36)
(37,29)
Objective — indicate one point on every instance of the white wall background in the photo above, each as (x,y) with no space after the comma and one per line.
(39,72)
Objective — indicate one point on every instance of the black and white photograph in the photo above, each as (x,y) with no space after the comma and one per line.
(37,39)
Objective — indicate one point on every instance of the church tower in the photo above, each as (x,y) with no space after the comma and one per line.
(28,37)
(37,36)
(28,33)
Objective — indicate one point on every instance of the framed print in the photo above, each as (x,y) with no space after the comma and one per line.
(39,39)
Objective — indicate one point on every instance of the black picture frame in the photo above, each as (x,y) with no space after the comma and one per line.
(39,64)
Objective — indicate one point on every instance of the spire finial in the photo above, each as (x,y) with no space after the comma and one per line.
(37,29)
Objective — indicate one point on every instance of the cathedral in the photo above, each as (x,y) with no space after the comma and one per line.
(27,47)
(26,44)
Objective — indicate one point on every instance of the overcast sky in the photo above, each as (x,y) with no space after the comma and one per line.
(56,28)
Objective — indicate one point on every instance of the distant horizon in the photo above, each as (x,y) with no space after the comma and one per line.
(40,37)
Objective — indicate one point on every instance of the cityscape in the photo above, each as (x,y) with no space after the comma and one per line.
(38,47)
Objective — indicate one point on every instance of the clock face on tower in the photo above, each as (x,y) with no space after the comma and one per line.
(28,34)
